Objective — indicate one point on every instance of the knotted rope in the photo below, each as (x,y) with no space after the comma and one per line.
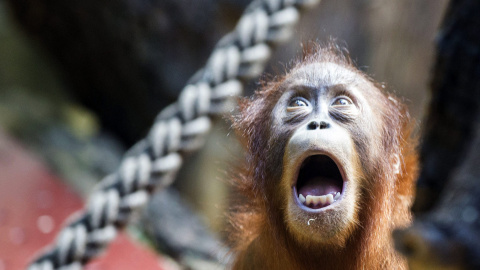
(181,127)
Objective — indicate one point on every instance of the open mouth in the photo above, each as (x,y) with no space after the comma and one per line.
(319,183)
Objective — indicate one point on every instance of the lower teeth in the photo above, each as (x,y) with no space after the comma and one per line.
(316,201)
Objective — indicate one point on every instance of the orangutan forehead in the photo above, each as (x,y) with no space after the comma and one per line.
(324,74)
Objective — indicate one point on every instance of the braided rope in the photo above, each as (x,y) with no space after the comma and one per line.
(181,127)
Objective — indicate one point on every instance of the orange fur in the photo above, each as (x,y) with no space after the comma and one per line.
(259,234)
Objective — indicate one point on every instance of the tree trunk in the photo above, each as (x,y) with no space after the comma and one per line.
(446,232)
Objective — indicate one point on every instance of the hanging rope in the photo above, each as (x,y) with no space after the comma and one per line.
(181,127)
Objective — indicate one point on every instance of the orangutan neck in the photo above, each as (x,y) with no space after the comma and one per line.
(369,247)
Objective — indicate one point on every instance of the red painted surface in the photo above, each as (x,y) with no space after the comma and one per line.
(124,254)
(34,204)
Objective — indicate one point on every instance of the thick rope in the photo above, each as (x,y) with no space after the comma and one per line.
(181,127)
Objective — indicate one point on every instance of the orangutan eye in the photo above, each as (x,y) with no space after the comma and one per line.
(298,102)
(342,101)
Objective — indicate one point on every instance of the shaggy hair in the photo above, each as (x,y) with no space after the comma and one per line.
(258,231)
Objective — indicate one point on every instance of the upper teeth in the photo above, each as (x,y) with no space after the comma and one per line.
(323,200)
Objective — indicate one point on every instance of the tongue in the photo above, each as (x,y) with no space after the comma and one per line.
(319,186)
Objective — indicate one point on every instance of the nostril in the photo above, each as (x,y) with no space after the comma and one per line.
(313,125)
(324,124)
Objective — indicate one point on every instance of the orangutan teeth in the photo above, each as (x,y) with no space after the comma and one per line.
(308,200)
(315,199)
(329,199)
(324,200)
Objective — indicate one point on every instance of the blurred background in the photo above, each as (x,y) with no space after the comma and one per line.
(81,81)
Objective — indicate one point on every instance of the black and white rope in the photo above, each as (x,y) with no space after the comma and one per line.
(181,127)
